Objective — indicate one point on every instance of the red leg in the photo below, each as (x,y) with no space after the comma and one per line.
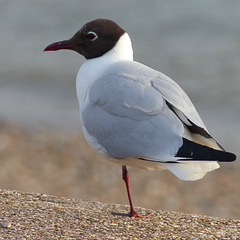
(125,177)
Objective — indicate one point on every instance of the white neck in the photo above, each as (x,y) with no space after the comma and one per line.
(122,50)
(92,69)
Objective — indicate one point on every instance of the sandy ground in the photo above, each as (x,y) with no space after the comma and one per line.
(61,163)
(40,216)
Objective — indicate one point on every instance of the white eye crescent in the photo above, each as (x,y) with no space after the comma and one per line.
(92,36)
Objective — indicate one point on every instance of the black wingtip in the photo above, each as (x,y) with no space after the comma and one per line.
(231,156)
(194,151)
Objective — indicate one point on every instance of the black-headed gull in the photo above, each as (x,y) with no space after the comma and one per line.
(136,115)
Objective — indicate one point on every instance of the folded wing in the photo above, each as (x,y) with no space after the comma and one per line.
(136,112)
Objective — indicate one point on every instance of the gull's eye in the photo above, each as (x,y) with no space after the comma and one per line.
(92,36)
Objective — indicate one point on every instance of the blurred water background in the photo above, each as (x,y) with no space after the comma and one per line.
(196,43)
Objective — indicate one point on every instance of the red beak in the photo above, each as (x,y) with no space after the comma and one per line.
(60,45)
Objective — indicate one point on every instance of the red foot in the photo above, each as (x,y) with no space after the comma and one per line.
(135,214)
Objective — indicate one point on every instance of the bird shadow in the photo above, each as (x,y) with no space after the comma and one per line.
(129,215)
(121,214)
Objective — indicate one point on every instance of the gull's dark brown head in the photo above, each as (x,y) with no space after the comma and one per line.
(93,40)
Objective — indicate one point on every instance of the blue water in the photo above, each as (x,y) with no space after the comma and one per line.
(197,43)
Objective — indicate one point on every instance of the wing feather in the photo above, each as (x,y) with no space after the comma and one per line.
(136,92)
(135,113)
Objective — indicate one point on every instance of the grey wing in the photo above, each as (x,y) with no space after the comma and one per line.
(181,105)
(137,112)
(178,99)
(129,118)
